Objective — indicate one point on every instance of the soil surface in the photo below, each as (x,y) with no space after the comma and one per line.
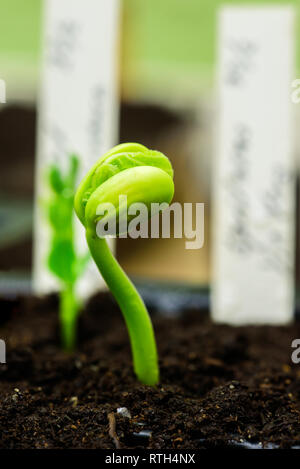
(219,385)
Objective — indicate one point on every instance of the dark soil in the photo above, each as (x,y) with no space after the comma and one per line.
(218,384)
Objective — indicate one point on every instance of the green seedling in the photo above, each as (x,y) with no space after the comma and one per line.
(63,260)
(141,175)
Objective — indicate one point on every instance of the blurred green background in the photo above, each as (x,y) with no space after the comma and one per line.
(167,47)
(167,79)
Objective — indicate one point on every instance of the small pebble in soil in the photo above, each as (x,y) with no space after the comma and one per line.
(94,368)
(139,438)
(124,412)
(143,434)
(74,401)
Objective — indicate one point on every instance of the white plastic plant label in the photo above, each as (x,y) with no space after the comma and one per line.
(254,190)
(78,113)
(2,91)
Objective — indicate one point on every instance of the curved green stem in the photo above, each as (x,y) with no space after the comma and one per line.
(136,316)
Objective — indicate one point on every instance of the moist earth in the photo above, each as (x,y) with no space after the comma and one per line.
(220,386)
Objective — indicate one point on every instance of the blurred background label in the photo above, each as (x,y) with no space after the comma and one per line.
(166,77)
(77,109)
(2,91)
(254,187)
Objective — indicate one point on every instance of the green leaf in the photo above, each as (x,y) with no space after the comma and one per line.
(62,259)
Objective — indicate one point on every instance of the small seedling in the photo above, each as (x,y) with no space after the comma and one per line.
(63,260)
(144,176)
